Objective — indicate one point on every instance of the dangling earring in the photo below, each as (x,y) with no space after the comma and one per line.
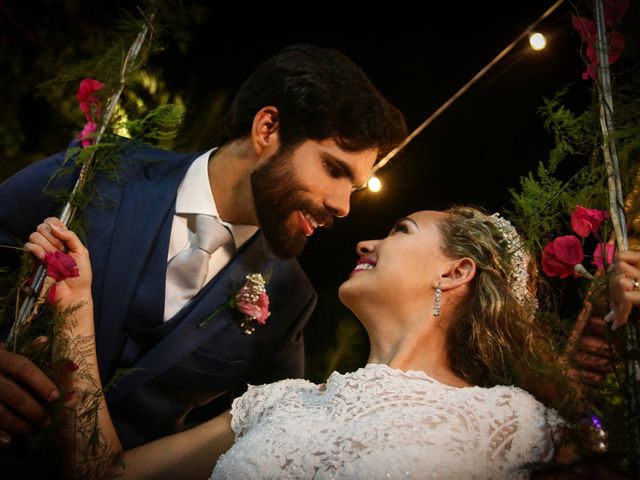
(436,302)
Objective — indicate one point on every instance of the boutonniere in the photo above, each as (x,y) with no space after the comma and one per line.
(251,302)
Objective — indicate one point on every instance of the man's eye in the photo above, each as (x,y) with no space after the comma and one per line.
(334,171)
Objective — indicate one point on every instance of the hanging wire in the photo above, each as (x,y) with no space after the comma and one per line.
(465,87)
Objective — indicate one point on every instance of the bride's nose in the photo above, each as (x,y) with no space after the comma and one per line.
(366,247)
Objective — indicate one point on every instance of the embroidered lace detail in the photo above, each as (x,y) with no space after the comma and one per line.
(379,422)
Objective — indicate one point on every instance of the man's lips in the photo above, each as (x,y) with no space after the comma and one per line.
(307,222)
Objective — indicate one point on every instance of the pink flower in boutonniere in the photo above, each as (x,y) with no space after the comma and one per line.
(60,265)
(251,302)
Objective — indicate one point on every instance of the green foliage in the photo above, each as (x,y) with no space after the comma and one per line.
(159,126)
(574,174)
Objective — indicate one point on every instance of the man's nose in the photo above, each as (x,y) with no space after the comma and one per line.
(339,201)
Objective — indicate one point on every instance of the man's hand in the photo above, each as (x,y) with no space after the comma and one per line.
(589,348)
(24,389)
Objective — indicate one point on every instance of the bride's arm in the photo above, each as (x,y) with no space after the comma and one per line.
(76,339)
(189,454)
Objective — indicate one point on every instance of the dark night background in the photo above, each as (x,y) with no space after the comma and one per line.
(417,54)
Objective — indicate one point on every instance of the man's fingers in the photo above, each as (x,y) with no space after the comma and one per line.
(593,362)
(12,423)
(587,377)
(597,327)
(18,408)
(17,367)
(594,345)
(5,439)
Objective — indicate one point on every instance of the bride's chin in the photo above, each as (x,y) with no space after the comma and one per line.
(348,295)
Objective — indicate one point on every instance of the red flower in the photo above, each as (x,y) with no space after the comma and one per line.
(60,265)
(613,11)
(587,220)
(598,258)
(561,256)
(88,99)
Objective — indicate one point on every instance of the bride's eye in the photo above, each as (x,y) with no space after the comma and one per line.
(400,227)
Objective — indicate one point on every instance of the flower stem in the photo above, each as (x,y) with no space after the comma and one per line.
(215,312)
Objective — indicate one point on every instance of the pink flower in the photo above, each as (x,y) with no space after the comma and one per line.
(561,257)
(587,220)
(598,258)
(258,310)
(60,265)
(88,99)
(87,135)
(251,301)
(613,11)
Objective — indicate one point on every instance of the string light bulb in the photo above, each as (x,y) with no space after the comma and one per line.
(537,41)
(374,184)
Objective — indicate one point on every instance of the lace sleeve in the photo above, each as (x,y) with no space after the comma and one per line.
(538,432)
(258,401)
(247,407)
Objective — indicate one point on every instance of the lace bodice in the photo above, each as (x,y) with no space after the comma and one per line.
(379,422)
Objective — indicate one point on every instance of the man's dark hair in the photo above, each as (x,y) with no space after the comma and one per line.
(319,94)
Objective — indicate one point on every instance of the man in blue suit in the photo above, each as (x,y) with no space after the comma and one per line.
(302,133)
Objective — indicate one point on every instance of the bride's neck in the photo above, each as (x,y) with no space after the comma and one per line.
(423,348)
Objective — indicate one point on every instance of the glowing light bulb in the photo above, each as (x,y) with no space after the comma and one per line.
(537,41)
(374,184)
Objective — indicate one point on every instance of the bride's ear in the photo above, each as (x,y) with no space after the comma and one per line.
(460,272)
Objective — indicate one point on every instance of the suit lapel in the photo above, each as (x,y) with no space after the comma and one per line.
(146,200)
(254,257)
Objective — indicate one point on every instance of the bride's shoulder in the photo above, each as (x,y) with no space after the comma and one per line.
(263,400)
(276,390)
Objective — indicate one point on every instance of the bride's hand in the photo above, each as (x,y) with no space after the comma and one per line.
(51,236)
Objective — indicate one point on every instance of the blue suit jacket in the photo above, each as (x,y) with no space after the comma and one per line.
(175,366)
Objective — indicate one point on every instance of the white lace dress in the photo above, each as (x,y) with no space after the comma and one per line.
(380,422)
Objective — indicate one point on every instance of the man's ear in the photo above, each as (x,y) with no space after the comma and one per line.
(460,272)
(265,137)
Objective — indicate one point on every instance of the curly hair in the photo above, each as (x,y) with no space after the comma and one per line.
(494,339)
(320,94)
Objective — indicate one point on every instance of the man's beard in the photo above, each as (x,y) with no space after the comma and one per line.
(276,195)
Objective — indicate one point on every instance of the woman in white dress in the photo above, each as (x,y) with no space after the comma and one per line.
(447,300)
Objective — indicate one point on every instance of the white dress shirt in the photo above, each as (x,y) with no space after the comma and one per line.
(195,197)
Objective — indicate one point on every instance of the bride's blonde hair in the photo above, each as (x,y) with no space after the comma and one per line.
(494,337)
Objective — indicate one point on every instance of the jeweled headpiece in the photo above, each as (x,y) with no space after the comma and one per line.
(518,275)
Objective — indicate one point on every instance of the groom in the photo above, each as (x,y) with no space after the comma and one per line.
(303,132)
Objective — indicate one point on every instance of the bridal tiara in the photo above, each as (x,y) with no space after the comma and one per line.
(518,276)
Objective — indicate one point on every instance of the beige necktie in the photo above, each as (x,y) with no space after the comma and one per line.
(187,271)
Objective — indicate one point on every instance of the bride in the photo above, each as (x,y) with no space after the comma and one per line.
(452,389)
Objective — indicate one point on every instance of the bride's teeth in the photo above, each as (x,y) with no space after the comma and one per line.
(364,266)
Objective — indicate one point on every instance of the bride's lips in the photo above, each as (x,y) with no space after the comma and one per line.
(365,263)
